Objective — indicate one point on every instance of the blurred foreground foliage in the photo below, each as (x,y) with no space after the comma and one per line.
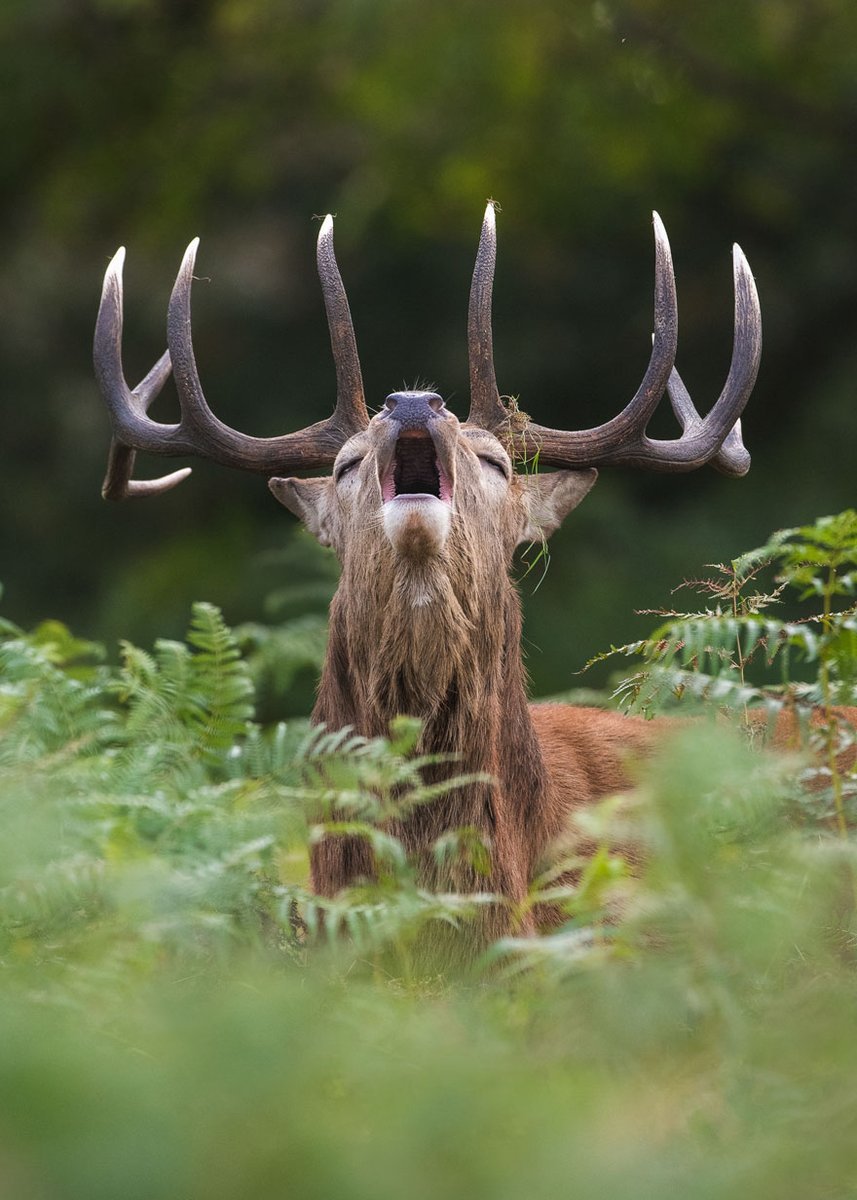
(170,1025)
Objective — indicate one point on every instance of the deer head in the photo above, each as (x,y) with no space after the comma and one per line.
(425,490)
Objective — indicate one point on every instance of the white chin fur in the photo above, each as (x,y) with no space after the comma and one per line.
(417,525)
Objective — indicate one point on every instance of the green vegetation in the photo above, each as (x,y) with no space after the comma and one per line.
(176,1020)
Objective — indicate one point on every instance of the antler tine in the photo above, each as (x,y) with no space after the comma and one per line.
(715,439)
(350,415)
(127,408)
(635,416)
(205,434)
(589,447)
(118,484)
(486,407)
(196,415)
(732,458)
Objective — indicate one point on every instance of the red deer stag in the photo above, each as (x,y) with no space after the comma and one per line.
(424,512)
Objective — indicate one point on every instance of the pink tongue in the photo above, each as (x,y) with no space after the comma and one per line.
(445,487)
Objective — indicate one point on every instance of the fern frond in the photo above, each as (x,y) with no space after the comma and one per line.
(221,682)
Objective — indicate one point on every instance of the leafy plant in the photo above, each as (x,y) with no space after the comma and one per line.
(180,1016)
(159,808)
(727,652)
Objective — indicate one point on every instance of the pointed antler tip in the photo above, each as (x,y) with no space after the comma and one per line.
(743,272)
(155,487)
(739,258)
(113,274)
(190,256)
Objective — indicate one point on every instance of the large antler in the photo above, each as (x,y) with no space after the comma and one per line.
(199,432)
(715,439)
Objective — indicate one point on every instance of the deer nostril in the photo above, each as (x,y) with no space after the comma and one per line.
(413,409)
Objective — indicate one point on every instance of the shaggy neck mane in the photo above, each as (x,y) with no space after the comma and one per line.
(432,641)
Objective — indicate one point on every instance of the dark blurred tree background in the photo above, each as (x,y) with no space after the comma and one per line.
(145,122)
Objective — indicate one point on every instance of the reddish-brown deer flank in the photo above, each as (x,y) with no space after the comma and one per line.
(425,513)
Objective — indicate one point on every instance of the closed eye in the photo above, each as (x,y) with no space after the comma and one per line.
(496,463)
(343,469)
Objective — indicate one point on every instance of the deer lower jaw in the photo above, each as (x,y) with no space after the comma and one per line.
(417,525)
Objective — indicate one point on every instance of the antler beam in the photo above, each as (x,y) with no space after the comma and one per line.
(199,431)
(623,440)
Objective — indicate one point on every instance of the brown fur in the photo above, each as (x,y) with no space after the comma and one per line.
(789,735)
(435,633)
(547,760)
(426,622)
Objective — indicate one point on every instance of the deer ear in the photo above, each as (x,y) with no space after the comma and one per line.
(550,498)
(309,500)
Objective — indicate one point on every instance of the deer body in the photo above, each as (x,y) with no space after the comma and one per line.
(425,512)
(405,637)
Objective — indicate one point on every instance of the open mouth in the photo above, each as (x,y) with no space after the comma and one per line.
(416,470)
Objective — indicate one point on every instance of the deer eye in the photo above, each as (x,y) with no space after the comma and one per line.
(344,468)
(496,463)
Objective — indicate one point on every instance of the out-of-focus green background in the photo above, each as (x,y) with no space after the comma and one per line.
(146,122)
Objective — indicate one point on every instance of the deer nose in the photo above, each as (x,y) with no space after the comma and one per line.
(413,410)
